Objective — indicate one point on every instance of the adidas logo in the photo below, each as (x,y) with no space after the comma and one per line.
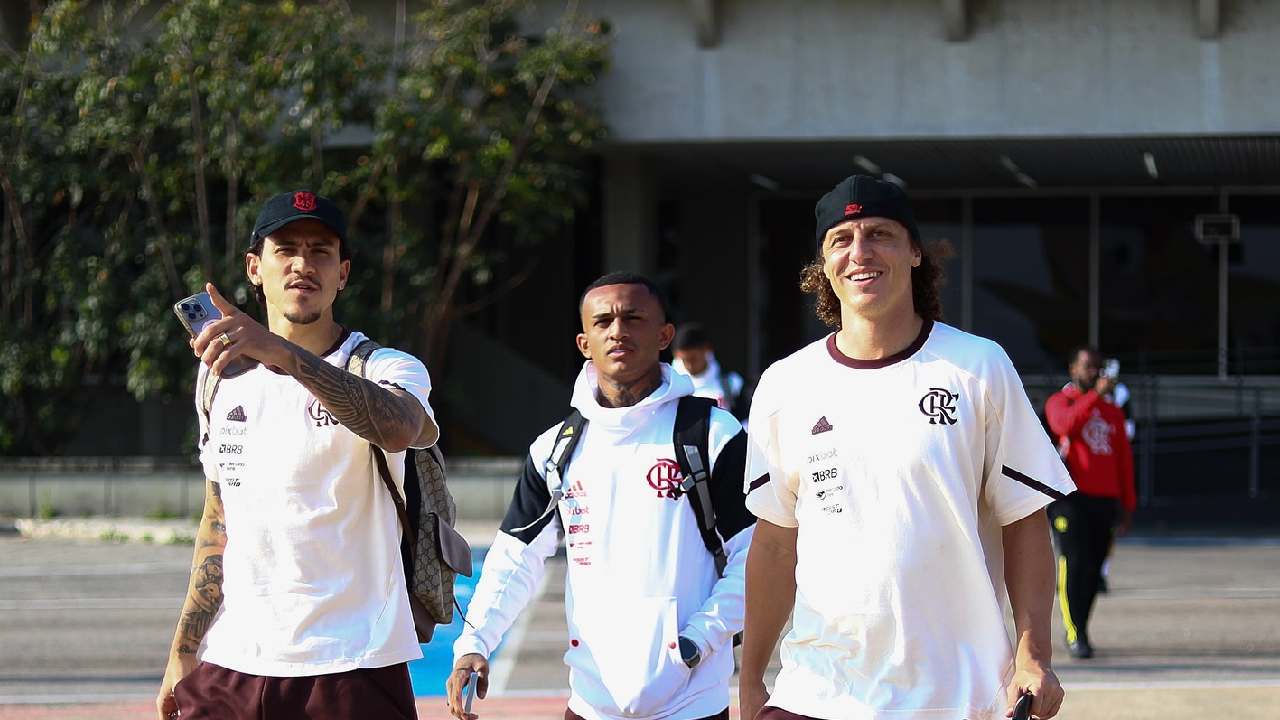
(821,426)
(576,490)
(237,414)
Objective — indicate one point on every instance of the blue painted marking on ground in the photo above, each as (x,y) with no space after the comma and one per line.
(429,673)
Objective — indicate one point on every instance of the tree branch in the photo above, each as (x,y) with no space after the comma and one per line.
(202,193)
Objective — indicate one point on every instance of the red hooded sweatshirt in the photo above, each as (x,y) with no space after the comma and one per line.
(1097,451)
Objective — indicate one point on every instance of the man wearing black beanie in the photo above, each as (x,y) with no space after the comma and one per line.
(899,474)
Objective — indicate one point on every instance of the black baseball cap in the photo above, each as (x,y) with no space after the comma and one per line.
(860,196)
(298,205)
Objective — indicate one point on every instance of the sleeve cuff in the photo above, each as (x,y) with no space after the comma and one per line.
(468,644)
(1023,510)
(695,635)
(763,511)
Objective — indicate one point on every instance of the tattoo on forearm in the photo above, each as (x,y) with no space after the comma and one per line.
(373,412)
(203,602)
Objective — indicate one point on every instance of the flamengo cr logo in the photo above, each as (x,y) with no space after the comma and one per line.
(665,477)
(304,201)
(939,405)
(320,414)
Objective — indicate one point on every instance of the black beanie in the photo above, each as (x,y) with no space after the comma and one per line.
(860,196)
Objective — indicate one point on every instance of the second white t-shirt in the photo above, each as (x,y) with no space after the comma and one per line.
(898,474)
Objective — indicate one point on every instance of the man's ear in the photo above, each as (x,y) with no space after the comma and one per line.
(344,272)
(666,335)
(583,347)
(251,269)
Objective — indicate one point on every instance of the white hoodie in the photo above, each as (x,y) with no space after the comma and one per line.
(639,574)
(713,382)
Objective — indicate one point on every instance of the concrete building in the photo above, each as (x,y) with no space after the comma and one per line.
(1106,171)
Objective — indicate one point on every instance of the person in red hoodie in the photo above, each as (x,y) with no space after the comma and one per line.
(1091,435)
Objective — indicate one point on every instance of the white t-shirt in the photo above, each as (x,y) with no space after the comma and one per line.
(898,474)
(313,580)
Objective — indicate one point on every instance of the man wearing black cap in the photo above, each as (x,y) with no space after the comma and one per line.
(899,475)
(297,604)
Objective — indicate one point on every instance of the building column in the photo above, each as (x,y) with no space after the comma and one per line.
(630,210)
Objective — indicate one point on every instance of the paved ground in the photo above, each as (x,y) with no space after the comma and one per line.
(1190,630)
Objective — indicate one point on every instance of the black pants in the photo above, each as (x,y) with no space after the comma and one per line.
(1082,527)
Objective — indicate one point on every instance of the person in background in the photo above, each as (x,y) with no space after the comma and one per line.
(695,356)
(1095,445)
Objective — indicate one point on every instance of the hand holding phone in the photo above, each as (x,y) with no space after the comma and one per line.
(1022,708)
(195,313)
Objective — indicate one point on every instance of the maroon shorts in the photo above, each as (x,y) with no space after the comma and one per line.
(211,692)
(722,715)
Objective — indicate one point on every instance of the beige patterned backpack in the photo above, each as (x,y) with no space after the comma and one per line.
(433,552)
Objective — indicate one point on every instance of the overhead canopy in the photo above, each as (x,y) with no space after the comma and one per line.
(986,164)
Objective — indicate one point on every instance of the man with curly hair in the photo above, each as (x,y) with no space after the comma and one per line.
(899,474)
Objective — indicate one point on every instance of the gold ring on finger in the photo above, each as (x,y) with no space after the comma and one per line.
(225,338)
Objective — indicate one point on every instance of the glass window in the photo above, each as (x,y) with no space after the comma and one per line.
(1031,277)
(1254,286)
(1159,286)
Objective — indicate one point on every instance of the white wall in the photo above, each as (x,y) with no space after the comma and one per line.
(814,69)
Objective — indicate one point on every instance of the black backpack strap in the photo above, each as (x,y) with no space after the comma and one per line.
(557,462)
(690,438)
(570,432)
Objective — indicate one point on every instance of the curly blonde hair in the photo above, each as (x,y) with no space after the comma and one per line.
(927,281)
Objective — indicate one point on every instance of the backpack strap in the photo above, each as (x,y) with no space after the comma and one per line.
(570,433)
(360,356)
(558,461)
(207,392)
(356,364)
(690,438)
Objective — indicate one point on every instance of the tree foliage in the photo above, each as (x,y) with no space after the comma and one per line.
(137,140)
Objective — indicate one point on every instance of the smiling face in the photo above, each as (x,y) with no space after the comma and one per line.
(300,271)
(868,262)
(623,332)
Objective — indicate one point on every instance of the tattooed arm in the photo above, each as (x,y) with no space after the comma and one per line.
(204,597)
(385,415)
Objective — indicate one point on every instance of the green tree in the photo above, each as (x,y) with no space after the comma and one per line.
(137,139)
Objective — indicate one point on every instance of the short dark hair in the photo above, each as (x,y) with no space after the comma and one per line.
(926,284)
(691,335)
(1075,353)
(626,278)
(255,247)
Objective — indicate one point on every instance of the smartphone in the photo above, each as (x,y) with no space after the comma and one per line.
(197,311)
(1111,368)
(1022,708)
(471,692)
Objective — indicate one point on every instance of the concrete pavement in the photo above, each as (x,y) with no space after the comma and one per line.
(1191,629)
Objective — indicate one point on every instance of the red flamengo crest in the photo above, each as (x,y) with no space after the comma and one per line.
(665,477)
(304,201)
(852,209)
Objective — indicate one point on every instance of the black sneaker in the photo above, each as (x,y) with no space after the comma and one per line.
(1080,649)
